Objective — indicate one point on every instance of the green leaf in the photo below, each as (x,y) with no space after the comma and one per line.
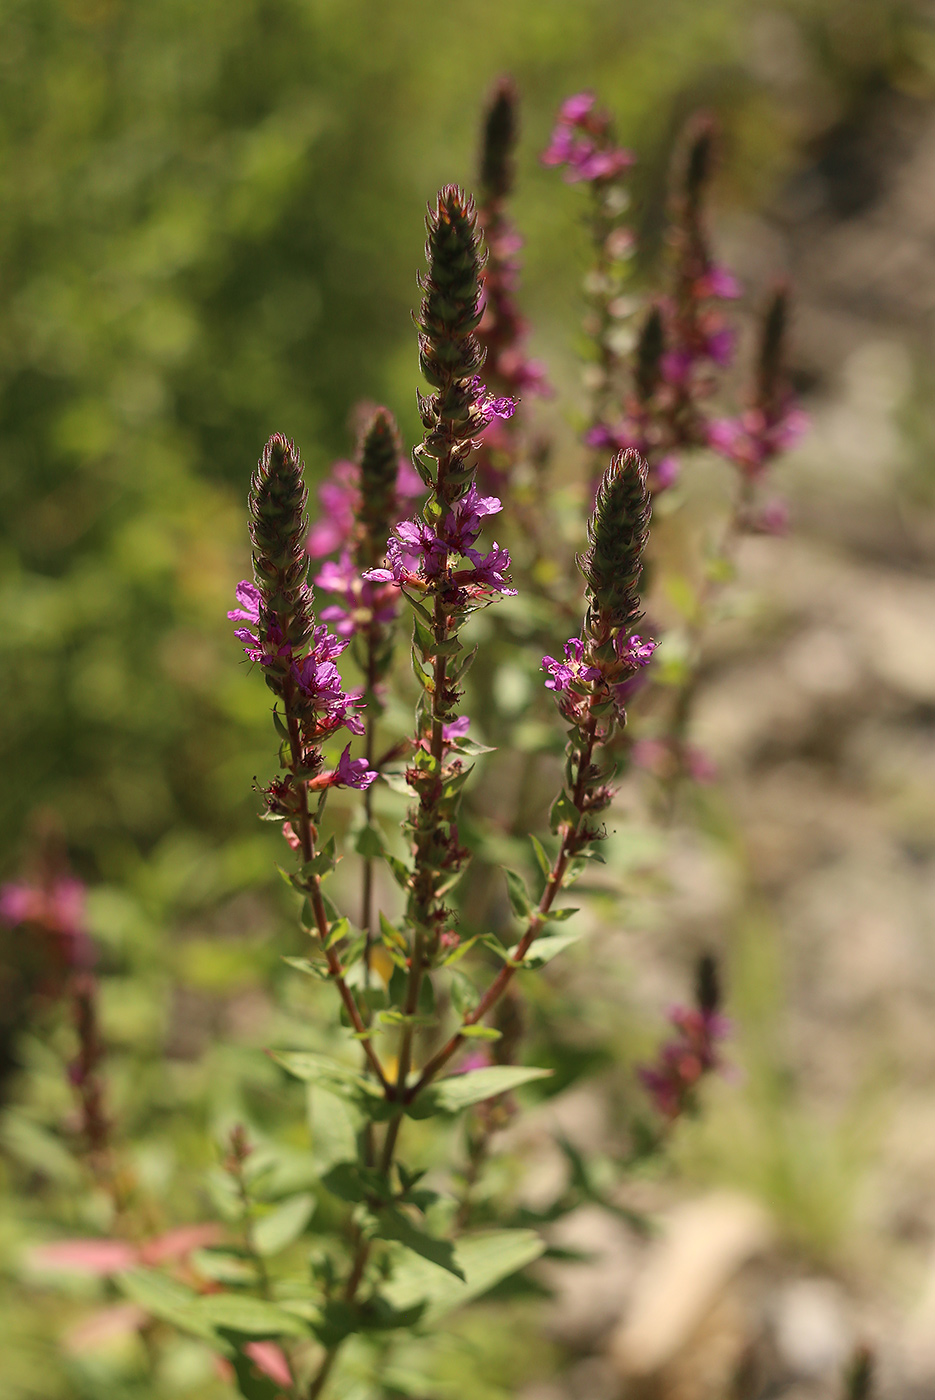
(311,969)
(545,864)
(350,1182)
(472,748)
(464,995)
(334,1126)
(394,1224)
(391,935)
(319,1069)
(338,930)
(519,898)
(369,843)
(485,1259)
(400,872)
(401,1018)
(224,1267)
(563,812)
(284,1224)
(339,1079)
(459,1091)
(546,947)
(323,862)
(559,916)
(171,1302)
(234,1312)
(479,1032)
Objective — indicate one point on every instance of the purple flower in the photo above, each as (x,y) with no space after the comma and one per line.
(488,405)
(58,908)
(571,670)
(719,282)
(457,729)
(353,772)
(361,601)
(575,108)
(273,645)
(666,472)
(581,141)
(633,651)
(488,573)
(338,496)
(682,1061)
(463,524)
(719,346)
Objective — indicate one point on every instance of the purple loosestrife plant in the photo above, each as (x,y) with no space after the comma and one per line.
(672,1080)
(583,144)
(503,331)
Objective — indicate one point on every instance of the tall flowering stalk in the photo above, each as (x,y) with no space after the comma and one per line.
(769,426)
(423,559)
(583,143)
(361,507)
(503,330)
(298,661)
(590,684)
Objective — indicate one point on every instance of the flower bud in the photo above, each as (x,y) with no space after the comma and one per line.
(380,451)
(499,141)
(279,528)
(617,534)
(772,349)
(649,351)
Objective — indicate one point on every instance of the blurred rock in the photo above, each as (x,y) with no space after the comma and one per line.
(813,1336)
(590,1295)
(705,1243)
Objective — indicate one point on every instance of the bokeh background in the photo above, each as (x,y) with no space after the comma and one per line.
(210,220)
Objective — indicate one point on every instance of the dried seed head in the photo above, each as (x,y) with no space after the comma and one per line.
(617,534)
(499,141)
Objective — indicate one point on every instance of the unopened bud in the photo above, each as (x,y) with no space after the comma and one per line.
(649,352)
(707,985)
(380,451)
(499,141)
(617,534)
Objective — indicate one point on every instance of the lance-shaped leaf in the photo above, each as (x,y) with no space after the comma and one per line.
(253,1317)
(283,1224)
(459,1091)
(485,1259)
(393,1224)
(171,1302)
(546,947)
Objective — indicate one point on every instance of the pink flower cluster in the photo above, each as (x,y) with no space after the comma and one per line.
(419,554)
(315,676)
(572,677)
(358,603)
(339,497)
(581,141)
(691,1053)
(754,438)
(57,908)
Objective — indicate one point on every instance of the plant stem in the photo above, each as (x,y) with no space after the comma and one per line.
(539,917)
(307,842)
